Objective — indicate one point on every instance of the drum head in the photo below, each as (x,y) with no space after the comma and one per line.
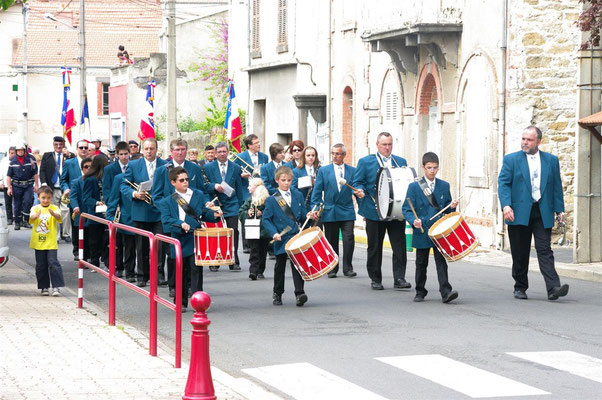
(302,239)
(384,193)
(444,224)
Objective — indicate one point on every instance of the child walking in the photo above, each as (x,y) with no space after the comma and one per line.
(44,218)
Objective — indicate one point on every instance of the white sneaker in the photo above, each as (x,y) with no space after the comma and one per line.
(44,292)
(56,292)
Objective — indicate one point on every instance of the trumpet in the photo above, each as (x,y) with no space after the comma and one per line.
(136,187)
(65,199)
(255,171)
(117,215)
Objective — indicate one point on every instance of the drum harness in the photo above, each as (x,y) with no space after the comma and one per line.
(186,207)
(285,207)
(428,193)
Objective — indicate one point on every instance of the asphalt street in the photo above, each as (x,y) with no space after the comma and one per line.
(360,343)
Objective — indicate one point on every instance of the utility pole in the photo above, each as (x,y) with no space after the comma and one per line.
(171,75)
(22,127)
(82,63)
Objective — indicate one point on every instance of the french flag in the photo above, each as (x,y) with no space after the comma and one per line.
(232,122)
(68,116)
(147,123)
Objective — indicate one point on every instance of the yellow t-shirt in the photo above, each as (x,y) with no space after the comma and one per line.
(44,228)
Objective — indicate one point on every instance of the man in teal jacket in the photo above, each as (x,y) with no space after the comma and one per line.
(530,192)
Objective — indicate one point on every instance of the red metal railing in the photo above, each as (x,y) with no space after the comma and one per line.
(152,295)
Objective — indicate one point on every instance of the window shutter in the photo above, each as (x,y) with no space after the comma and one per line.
(98,99)
(282,25)
(255,47)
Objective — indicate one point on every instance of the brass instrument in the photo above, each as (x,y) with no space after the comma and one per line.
(255,171)
(65,199)
(136,187)
(117,215)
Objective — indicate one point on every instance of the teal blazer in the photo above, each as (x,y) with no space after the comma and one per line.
(136,173)
(338,206)
(117,198)
(514,188)
(162,186)
(262,159)
(71,171)
(275,220)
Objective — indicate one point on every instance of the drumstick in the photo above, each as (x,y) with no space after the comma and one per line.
(414,212)
(343,182)
(307,219)
(443,209)
(284,232)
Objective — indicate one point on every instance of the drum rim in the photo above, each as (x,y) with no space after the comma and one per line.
(448,230)
(377,203)
(306,245)
(213,232)
(463,254)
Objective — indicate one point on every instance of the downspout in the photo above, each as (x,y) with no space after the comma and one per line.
(329,100)
(502,133)
(247,115)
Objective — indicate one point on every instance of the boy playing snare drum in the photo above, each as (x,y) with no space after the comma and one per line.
(285,209)
(428,196)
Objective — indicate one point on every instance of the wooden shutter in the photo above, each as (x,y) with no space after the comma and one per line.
(282,25)
(255,45)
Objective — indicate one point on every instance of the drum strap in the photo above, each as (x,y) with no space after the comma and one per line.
(185,206)
(428,194)
(284,206)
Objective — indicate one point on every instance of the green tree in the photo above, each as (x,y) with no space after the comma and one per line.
(4,4)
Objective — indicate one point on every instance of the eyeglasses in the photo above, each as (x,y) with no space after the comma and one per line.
(183,180)
(334,153)
(297,150)
(83,148)
(85,167)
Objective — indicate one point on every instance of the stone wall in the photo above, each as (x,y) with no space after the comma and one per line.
(543,47)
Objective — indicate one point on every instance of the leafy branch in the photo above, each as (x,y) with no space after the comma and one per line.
(590,20)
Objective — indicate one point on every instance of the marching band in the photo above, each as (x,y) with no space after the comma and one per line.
(299,208)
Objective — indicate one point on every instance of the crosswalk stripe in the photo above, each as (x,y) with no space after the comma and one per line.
(463,378)
(567,361)
(304,381)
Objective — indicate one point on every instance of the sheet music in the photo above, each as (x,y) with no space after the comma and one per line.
(228,190)
(146,186)
(304,182)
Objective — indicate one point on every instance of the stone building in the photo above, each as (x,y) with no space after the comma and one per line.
(462,78)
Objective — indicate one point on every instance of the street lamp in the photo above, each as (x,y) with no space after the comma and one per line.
(54,19)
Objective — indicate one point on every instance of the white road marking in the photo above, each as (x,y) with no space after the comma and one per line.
(568,361)
(463,378)
(303,381)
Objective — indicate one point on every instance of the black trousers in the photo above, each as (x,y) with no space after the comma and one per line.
(22,202)
(258,255)
(196,276)
(245,241)
(331,231)
(232,222)
(143,250)
(422,261)
(375,231)
(520,246)
(279,269)
(48,269)
(126,254)
(190,277)
(95,235)
(8,203)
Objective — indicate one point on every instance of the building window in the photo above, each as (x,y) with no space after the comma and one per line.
(255,44)
(282,26)
(102,99)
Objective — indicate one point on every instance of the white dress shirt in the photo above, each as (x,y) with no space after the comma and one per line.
(534,161)
(254,158)
(223,168)
(151,168)
(339,172)
(286,195)
(187,196)
(122,166)
(431,184)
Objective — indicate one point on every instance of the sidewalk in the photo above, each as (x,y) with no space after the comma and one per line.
(50,349)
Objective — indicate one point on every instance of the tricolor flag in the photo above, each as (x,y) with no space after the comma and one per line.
(68,118)
(147,123)
(232,122)
(82,124)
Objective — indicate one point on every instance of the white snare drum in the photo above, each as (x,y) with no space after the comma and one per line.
(391,188)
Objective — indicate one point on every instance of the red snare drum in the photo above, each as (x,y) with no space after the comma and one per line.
(219,224)
(214,246)
(453,237)
(311,254)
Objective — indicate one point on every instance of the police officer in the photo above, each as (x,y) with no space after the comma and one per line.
(22,180)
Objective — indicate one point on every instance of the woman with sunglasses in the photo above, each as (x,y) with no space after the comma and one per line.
(304,175)
(92,199)
(293,153)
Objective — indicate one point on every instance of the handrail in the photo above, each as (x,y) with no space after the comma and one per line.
(152,295)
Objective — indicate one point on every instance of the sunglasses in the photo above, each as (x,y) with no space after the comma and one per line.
(83,148)
(297,150)
(85,167)
(183,180)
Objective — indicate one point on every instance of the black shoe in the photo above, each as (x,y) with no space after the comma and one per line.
(172,293)
(26,225)
(9,222)
(184,309)
(260,276)
(301,299)
(162,282)
(17,226)
(246,251)
(557,292)
(271,257)
(332,274)
(277,299)
(401,284)
(67,239)
(235,267)
(119,273)
(141,284)
(213,268)
(450,296)
(377,286)
(76,258)
(520,294)
(350,274)
(131,279)
(418,298)
(253,276)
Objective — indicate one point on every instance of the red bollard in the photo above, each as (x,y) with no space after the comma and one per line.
(200,384)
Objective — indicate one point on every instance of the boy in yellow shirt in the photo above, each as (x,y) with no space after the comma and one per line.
(44,218)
